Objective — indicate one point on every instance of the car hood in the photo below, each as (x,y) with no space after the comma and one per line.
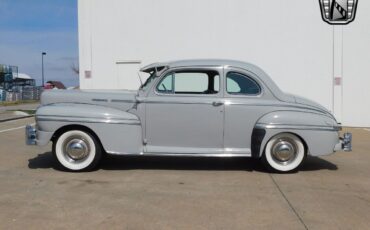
(121,99)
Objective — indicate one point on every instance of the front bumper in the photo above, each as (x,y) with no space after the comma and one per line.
(345,143)
(30,133)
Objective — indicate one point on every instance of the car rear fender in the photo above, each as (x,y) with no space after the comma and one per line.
(318,132)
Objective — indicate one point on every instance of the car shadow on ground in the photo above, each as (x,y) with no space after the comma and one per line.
(46,160)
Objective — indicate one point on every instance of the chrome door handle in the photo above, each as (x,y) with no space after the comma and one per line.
(217,103)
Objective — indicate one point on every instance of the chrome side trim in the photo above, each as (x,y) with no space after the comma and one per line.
(64,116)
(100,100)
(179,102)
(182,154)
(122,101)
(228,102)
(88,120)
(198,154)
(123,153)
(298,127)
(112,100)
(278,105)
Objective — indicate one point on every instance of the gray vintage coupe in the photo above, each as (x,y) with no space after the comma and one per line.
(208,108)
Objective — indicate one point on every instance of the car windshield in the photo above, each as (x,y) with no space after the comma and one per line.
(150,79)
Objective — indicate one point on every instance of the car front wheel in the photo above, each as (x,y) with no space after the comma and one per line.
(77,150)
(284,152)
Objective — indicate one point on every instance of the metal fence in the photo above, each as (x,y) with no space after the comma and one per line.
(23,93)
(13,88)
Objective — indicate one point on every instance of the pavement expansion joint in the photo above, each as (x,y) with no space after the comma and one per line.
(287,200)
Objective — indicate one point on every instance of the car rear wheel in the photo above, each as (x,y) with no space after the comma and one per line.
(77,150)
(284,152)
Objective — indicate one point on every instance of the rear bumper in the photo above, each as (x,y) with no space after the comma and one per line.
(345,143)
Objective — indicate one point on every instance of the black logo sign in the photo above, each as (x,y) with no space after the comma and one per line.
(338,12)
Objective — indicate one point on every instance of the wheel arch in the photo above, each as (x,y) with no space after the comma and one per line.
(260,138)
(70,127)
(296,122)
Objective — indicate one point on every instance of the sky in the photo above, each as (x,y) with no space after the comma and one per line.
(30,27)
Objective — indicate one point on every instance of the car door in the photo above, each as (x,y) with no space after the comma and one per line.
(184,112)
(246,100)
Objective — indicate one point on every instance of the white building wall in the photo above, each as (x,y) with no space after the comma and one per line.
(356,68)
(287,38)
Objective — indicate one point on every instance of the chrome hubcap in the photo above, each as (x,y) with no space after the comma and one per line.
(76,148)
(284,151)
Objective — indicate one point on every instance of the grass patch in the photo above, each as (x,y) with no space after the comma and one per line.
(28,111)
(10,103)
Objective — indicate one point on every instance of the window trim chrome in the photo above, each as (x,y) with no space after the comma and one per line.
(241,95)
(217,68)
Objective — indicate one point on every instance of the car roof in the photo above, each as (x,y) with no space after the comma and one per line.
(264,77)
(202,62)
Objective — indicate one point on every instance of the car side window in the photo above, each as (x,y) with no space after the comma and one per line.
(166,85)
(241,84)
(190,82)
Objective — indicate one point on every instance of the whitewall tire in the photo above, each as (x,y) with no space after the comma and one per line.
(284,152)
(77,150)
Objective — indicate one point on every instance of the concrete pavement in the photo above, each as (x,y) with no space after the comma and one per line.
(331,192)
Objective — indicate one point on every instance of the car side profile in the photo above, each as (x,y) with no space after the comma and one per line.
(208,108)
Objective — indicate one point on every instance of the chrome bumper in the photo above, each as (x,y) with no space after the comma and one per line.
(345,143)
(30,132)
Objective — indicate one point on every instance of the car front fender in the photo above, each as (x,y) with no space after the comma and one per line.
(118,131)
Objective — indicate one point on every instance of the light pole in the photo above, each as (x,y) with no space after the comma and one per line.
(42,68)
